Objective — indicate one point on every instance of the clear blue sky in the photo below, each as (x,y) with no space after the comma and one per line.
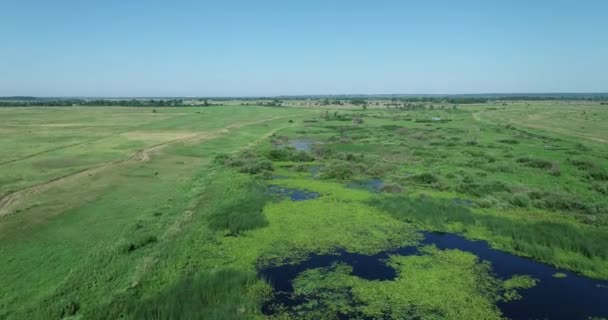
(226,48)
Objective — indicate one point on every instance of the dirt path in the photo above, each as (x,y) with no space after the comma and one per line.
(8,202)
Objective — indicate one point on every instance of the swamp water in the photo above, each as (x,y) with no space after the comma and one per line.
(292,193)
(572,297)
(302,145)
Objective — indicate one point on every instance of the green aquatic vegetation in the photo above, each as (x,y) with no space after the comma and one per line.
(320,225)
(446,284)
(560,275)
(512,286)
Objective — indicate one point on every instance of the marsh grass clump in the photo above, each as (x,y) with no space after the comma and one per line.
(535,163)
(214,295)
(138,242)
(424,178)
(242,211)
(563,202)
(555,169)
(594,171)
(600,188)
(520,200)
(339,170)
(472,187)
(537,239)
(289,154)
(509,141)
(582,164)
(246,162)
(598,174)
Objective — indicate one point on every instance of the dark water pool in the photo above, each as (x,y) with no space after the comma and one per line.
(302,145)
(292,193)
(373,185)
(569,298)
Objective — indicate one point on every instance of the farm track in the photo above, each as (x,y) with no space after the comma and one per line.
(8,201)
(60,148)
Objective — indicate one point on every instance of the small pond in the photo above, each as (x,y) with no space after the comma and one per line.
(569,298)
(292,193)
(373,185)
(302,144)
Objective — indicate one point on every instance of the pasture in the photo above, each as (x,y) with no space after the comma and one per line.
(173,212)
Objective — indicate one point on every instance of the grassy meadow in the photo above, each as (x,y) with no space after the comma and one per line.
(163,213)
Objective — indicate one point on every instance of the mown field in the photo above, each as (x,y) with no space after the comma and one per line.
(166,213)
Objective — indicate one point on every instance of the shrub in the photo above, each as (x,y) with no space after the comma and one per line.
(424,178)
(520,200)
(599,187)
(301,156)
(597,173)
(481,188)
(509,141)
(582,164)
(555,169)
(338,169)
(280,154)
(534,163)
(562,202)
(256,166)
(140,241)
(221,158)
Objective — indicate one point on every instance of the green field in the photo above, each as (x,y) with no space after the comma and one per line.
(110,212)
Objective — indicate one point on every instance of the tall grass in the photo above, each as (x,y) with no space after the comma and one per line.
(211,295)
(241,212)
(542,240)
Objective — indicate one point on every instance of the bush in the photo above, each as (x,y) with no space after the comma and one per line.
(520,200)
(509,141)
(582,164)
(424,178)
(256,166)
(301,156)
(338,169)
(601,188)
(598,174)
(280,154)
(562,202)
(555,169)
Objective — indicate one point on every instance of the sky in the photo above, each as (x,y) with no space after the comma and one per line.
(132,48)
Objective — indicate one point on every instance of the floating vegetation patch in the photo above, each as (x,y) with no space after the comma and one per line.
(462,279)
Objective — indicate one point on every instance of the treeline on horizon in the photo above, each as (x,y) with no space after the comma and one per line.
(355,100)
(96,102)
